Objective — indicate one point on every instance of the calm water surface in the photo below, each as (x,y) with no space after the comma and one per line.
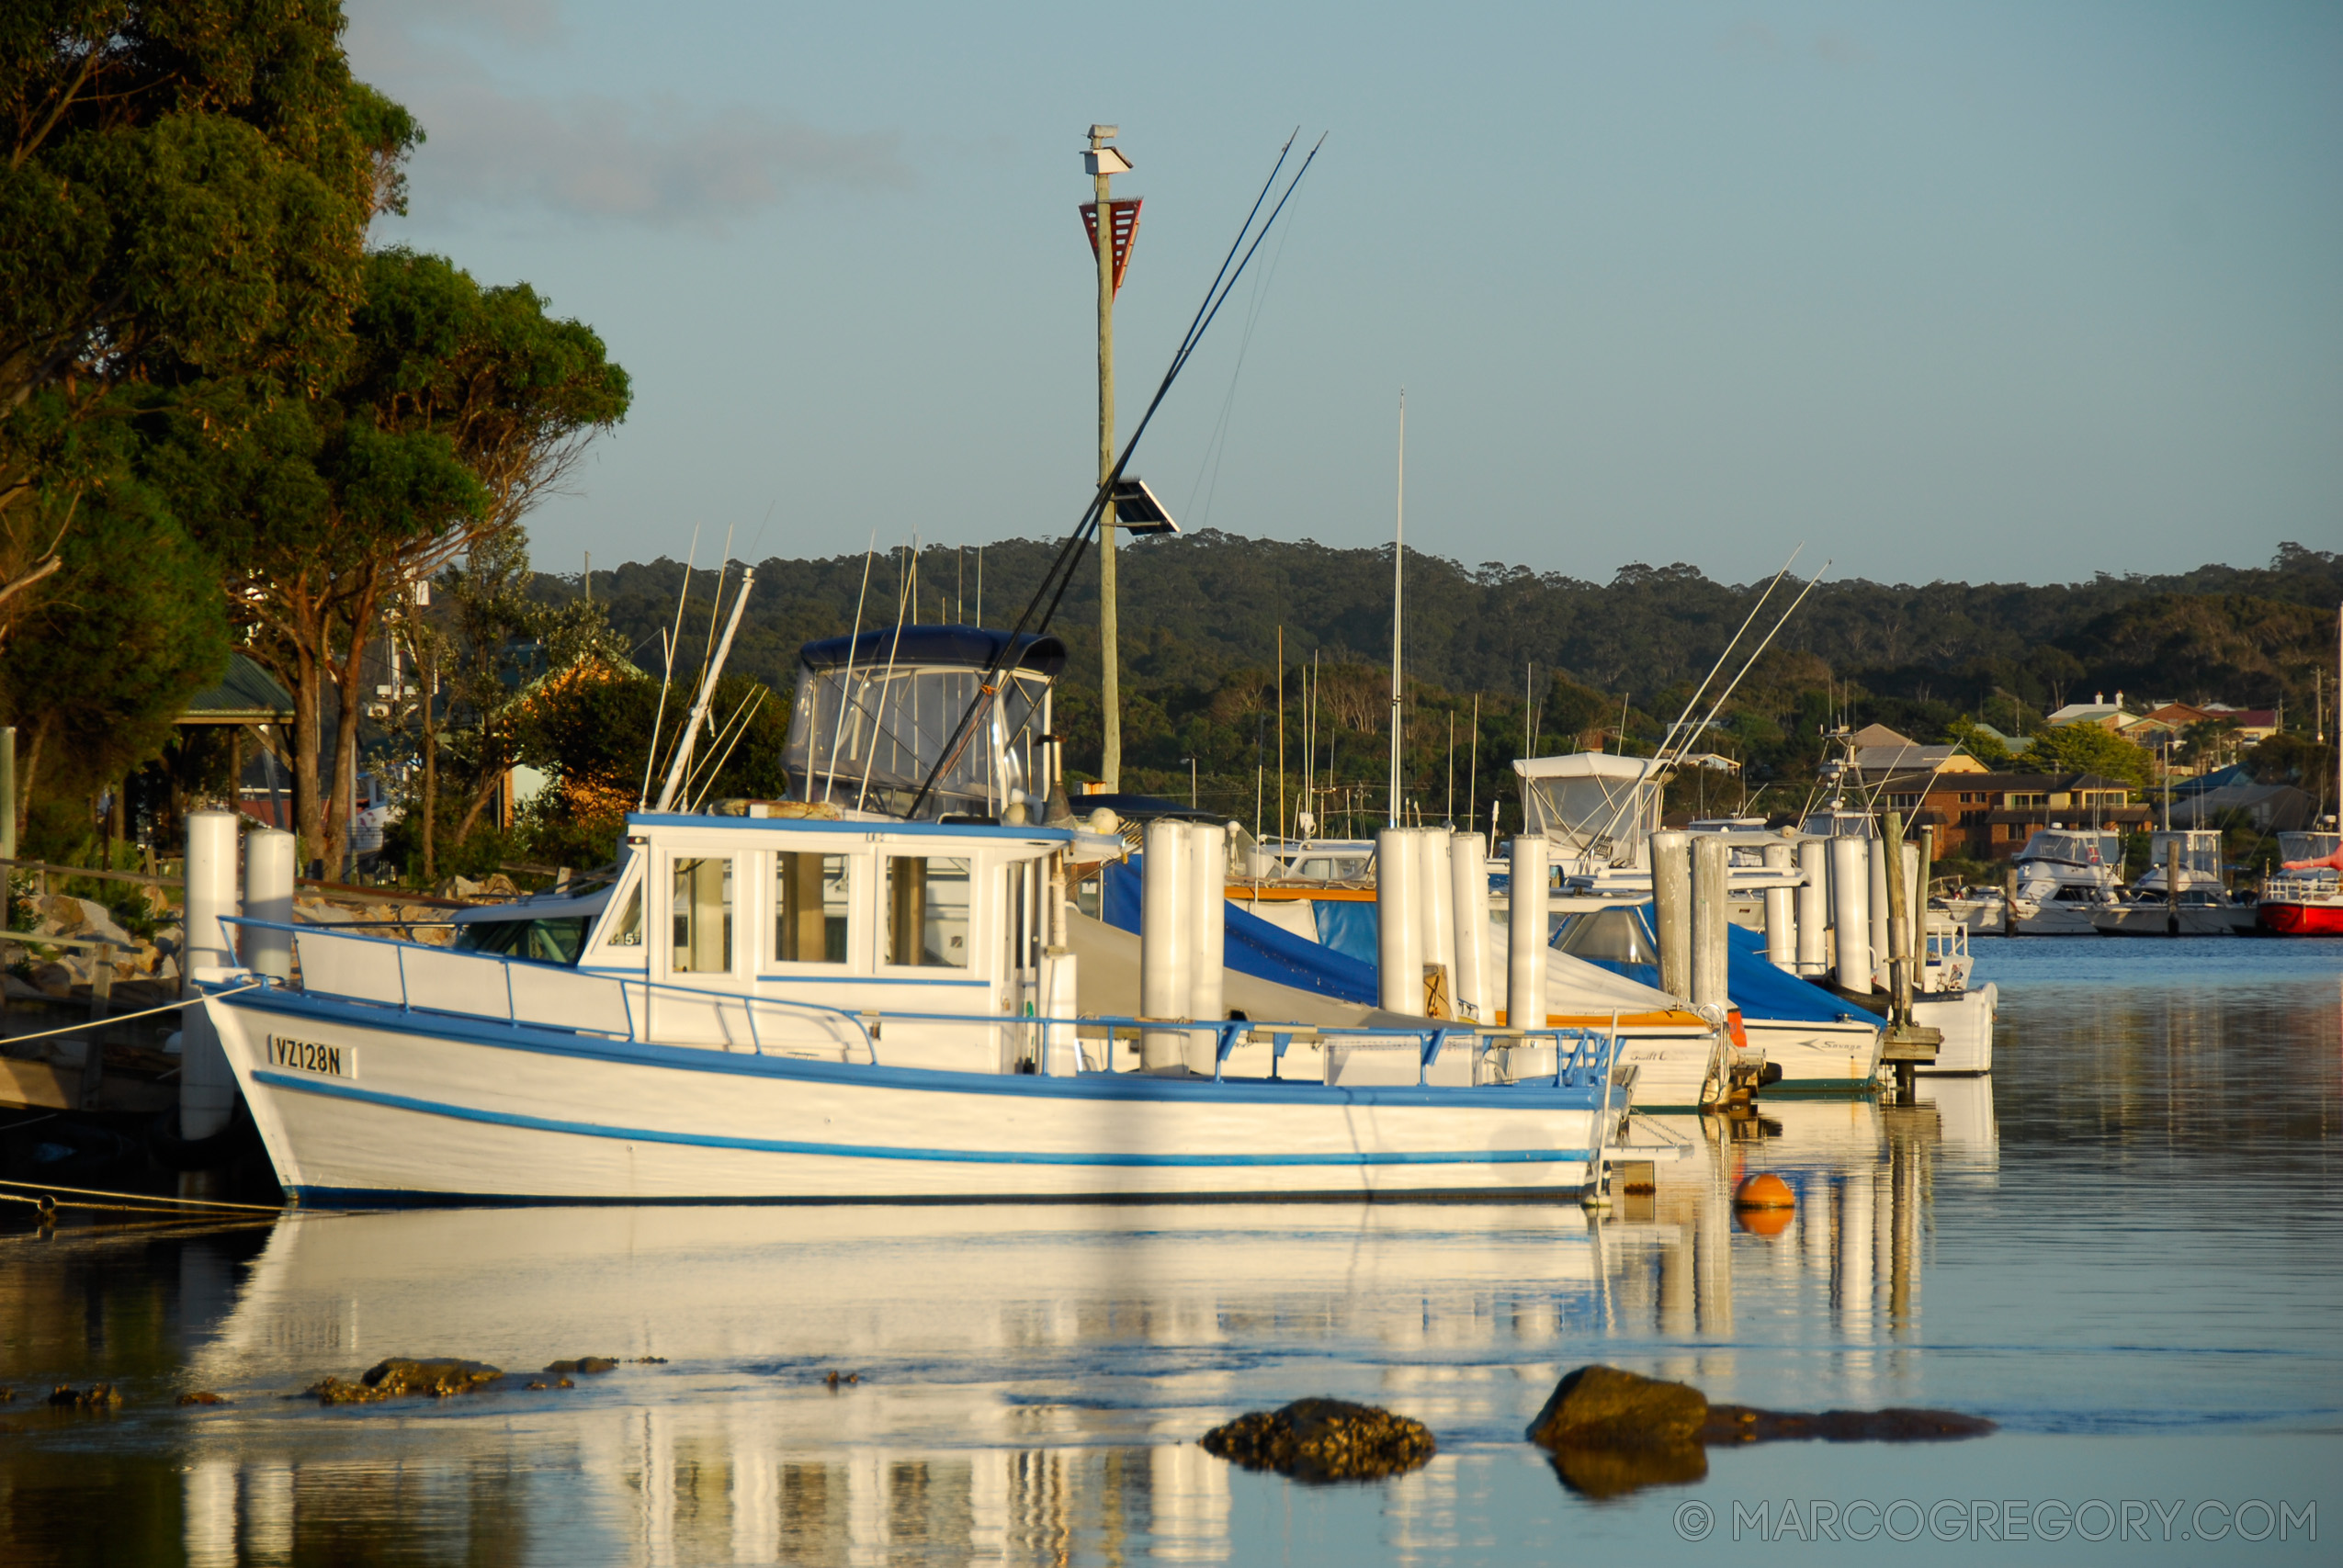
(2126,1247)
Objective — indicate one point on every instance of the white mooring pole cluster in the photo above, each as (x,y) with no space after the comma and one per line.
(1184,927)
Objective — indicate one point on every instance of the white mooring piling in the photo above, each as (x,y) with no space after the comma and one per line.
(1882,938)
(1526,935)
(1711,906)
(207,1088)
(1436,897)
(1399,933)
(1206,887)
(1850,912)
(1813,908)
(1164,937)
(268,896)
(1780,911)
(1672,910)
(1468,873)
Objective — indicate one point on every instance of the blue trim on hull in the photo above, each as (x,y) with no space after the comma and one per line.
(331,1089)
(1124,1087)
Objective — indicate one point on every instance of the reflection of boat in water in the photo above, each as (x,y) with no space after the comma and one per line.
(1032,1379)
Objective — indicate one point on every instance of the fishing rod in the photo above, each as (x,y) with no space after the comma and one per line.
(1060,574)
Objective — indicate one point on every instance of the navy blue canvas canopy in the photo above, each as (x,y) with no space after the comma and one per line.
(1752,982)
(1254,946)
(975,647)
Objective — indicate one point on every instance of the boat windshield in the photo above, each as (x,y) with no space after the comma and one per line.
(554,940)
(1617,936)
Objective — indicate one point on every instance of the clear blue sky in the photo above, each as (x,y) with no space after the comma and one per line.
(2016,291)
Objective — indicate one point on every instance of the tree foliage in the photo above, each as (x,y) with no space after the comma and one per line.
(185,196)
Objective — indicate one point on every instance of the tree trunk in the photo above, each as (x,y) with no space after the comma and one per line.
(309,815)
(430,765)
(26,774)
(490,784)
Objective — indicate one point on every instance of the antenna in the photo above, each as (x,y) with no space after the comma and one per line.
(1398,560)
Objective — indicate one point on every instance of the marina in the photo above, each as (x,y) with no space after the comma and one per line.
(1030,1382)
(764,954)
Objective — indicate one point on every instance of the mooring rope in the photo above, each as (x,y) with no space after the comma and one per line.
(88,1024)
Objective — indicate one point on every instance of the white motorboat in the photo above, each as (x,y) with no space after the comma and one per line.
(2181,893)
(2066,876)
(800,1000)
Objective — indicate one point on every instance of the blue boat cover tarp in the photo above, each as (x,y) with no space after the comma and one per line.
(1349,927)
(1257,947)
(1752,982)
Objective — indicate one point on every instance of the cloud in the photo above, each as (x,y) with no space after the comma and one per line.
(645,161)
(598,158)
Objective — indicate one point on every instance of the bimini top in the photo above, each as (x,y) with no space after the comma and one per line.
(1597,809)
(975,646)
(1587,765)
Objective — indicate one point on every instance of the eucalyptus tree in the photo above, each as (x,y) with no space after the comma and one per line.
(185,189)
(456,410)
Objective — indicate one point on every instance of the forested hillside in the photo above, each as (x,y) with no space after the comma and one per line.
(1202,614)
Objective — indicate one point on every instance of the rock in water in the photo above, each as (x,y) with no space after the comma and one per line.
(437,1377)
(98,1396)
(585,1364)
(1897,1424)
(1603,1407)
(1323,1439)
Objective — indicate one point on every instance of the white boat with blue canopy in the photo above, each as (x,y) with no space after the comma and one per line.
(806,1000)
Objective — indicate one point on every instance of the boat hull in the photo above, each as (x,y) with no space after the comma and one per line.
(1966,1022)
(2190,919)
(1817,1059)
(2289,918)
(423,1108)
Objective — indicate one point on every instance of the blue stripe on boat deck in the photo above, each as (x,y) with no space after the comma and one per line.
(1533,1096)
(331,1089)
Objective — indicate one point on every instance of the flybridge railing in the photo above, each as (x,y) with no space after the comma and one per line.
(502,989)
(520,992)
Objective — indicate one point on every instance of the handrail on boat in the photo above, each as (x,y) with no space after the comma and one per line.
(635,1033)
(1579,1053)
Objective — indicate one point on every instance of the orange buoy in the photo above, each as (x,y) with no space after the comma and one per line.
(1764,1191)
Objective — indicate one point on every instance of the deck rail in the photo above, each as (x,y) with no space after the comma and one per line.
(500,989)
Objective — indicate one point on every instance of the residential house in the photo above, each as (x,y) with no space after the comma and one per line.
(1880,752)
(2098,711)
(1982,815)
(2250,724)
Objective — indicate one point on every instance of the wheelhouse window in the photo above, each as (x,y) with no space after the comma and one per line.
(809,905)
(926,899)
(628,932)
(703,915)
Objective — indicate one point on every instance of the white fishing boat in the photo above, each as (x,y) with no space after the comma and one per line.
(801,1000)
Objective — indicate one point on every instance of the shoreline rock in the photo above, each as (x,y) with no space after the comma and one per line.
(1323,1440)
(1612,1432)
(395,1376)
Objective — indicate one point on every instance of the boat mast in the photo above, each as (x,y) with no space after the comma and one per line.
(706,695)
(1398,557)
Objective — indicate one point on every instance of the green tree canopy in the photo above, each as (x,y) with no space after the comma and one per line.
(2088,748)
(457,408)
(186,194)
